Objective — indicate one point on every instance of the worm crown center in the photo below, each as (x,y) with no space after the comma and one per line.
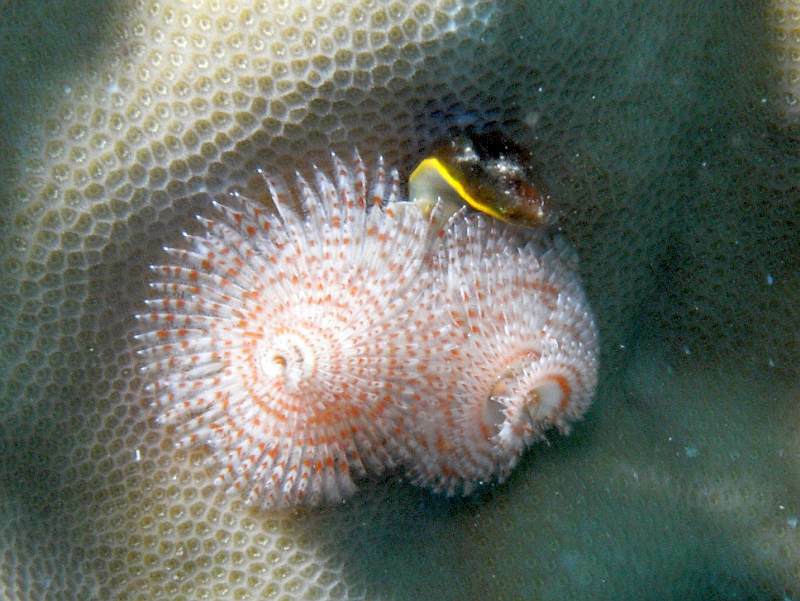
(287,358)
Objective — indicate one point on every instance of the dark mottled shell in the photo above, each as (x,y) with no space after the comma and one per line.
(487,172)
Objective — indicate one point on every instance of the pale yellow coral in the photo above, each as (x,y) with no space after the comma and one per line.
(184,98)
(783,17)
(114,138)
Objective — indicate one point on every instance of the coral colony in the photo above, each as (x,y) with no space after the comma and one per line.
(348,332)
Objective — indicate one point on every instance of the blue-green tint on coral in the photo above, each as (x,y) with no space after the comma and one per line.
(670,491)
(655,129)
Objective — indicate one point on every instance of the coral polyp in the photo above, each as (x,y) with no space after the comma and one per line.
(347,332)
(285,339)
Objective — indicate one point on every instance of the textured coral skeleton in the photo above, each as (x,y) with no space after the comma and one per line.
(347,332)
